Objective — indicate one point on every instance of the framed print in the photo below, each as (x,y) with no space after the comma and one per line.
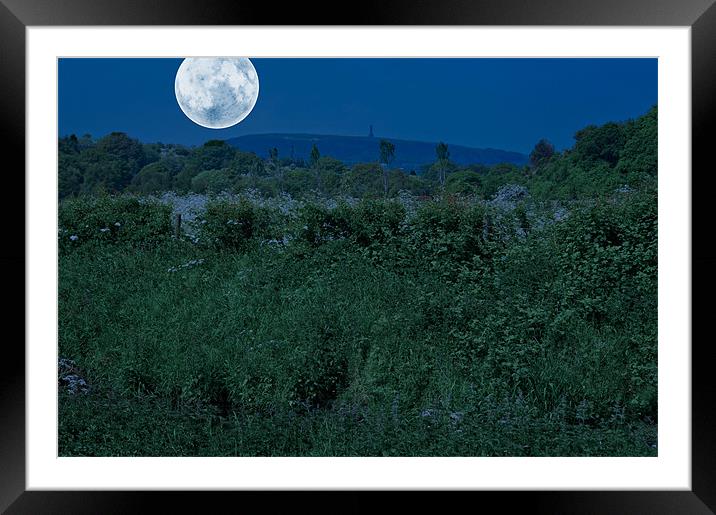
(422,249)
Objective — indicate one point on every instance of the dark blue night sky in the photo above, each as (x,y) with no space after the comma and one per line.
(500,103)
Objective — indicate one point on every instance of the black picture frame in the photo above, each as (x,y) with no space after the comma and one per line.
(16,15)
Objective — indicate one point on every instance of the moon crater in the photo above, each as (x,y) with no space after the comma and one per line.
(216,92)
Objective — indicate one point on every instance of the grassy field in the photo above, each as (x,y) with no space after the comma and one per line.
(367,330)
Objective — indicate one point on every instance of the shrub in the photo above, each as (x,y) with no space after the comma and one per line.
(109,219)
(233,225)
(608,261)
(375,222)
(318,224)
(449,231)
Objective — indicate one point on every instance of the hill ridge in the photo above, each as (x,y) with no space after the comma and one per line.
(356,149)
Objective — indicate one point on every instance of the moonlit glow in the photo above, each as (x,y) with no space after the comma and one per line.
(216,92)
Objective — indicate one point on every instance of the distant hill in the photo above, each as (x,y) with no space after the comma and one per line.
(409,155)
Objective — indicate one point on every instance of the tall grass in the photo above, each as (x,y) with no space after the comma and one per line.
(362,331)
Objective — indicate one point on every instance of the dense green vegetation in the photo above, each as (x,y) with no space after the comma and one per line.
(602,159)
(386,326)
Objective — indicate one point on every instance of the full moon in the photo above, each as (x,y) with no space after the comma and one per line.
(216,92)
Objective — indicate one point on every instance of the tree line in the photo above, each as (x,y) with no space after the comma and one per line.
(602,158)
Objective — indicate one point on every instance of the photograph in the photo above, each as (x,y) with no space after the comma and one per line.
(357,256)
(419,248)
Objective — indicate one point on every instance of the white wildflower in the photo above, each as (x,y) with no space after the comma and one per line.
(74,237)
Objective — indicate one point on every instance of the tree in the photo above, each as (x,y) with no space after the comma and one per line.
(118,146)
(111,163)
(247,163)
(331,165)
(70,174)
(603,143)
(273,159)
(387,155)
(213,155)
(69,145)
(107,175)
(85,142)
(214,181)
(443,155)
(330,171)
(466,182)
(541,153)
(363,180)
(153,178)
(640,152)
(315,156)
